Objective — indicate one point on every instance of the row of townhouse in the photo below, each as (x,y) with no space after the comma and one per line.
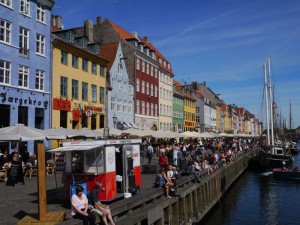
(98,75)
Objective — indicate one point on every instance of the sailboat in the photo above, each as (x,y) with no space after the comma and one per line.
(290,145)
(271,153)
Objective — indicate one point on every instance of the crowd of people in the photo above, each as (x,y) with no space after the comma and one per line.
(195,158)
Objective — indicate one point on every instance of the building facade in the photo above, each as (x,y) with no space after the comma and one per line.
(80,98)
(25,64)
(120,94)
(178,109)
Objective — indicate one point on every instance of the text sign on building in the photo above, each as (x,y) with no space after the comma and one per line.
(63,105)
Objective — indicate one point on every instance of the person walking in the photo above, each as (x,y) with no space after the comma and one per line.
(150,153)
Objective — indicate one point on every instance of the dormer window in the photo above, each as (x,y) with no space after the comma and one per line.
(71,37)
(84,43)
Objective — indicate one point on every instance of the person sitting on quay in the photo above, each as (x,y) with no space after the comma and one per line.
(162,181)
(99,208)
(80,207)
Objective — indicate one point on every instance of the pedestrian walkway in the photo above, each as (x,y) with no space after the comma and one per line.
(20,200)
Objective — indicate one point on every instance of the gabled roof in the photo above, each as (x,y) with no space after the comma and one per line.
(128,36)
(109,51)
(177,83)
(199,94)
(123,33)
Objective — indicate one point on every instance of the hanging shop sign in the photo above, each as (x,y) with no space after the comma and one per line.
(88,113)
(93,108)
(60,104)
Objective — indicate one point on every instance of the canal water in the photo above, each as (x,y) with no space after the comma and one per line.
(258,198)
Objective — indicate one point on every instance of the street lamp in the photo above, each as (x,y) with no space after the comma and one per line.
(115,120)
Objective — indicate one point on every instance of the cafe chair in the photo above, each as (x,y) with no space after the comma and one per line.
(30,170)
(50,168)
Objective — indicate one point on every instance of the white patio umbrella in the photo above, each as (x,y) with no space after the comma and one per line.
(190,134)
(206,135)
(61,133)
(20,132)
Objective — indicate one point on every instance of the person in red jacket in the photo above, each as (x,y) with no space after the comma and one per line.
(163,160)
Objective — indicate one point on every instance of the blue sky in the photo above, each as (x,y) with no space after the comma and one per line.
(222,42)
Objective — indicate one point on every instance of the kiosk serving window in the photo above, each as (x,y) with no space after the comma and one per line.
(94,162)
(77,161)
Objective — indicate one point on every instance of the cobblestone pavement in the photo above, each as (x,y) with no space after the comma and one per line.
(20,200)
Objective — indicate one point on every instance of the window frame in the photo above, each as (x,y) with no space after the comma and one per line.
(24,41)
(5,70)
(25,4)
(6,28)
(63,86)
(23,80)
(84,91)
(75,89)
(40,13)
(39,79)
(40,44)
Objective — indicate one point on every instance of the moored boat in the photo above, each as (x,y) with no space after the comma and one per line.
(286,173)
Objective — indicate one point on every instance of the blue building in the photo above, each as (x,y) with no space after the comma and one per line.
(120,111)
(25,64)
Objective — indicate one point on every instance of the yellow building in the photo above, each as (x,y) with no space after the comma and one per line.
(227,118)
(78,81)
(189,111)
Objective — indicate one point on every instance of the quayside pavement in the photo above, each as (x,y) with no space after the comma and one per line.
(21,200)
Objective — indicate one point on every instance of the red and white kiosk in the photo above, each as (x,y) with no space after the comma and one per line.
(114,162)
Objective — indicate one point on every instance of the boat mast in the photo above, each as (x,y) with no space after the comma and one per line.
(267,105)
(271,102)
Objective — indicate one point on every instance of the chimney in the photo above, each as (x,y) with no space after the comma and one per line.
(135,34)
(146,38)
(88,30)
(194,85)
(99,20)
(204,83)
(57,22)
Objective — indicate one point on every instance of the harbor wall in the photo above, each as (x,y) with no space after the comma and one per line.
(194,202)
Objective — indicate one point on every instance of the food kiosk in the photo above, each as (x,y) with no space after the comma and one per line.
(113,162)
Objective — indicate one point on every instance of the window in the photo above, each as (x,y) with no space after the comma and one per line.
(151,89)
(85,64)
(130,89)
(102,95)
(143,86)
(40,13)
(94,68)
(143,66)
(5,31)
(40,44)
(119,68)
(6,2)
(24,42)
(129,109)
(147,88)
(94,93)
(120,84)
(84,94)
(151,71)
(155,109)
(64,57)
(137,85)
(102,71)
(155,91)
(137,106)
(138,66)
(124,106)
(155,72)
(143,107)
(75,89)
(5,70)
(113,103)
(25,7)
(64,86)
(147,68)
(151,109)
(39,79)
(75,61)
(147,108)
(23,76)
(119,105)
